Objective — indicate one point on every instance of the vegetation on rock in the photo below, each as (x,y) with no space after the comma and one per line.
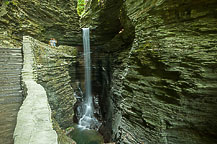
(13,2)
(154,63)
(80,6)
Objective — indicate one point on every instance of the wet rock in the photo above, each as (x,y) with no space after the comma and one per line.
(11,92)
(40,19)
(163,85)
(52,69)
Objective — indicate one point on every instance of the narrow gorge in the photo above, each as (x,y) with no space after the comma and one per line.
(148,75)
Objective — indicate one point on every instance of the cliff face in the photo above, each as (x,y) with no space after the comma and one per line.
(52,68)
(39,19)
(11,91)
(164,80)
(154,64)
(43,20)
(103,19)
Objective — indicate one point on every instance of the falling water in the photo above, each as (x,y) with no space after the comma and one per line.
(87,61)
(87,121)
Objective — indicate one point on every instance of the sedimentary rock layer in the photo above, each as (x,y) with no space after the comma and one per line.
(40,19)
(10,91)
(164,82)
(52,68)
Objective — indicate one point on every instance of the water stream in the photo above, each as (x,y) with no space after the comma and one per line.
(86,132)
(87,121)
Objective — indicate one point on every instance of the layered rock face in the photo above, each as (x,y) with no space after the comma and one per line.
(155,65)
(11,96)
(52,68)
(40,19)
(103,19)
(164,81)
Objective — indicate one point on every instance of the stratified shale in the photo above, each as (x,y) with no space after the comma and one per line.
(164,80)
(154,65)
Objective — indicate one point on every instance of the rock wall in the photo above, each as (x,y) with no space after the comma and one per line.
(11,92)
(103,19)
(52,68)
(159,75)
(42,20)
(39,19)
(164,80)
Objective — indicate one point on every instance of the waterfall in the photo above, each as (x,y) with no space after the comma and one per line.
(87,61)
(88,120)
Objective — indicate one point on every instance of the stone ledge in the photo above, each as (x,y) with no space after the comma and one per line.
(34,124)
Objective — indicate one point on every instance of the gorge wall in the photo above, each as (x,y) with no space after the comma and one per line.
(40,19)
(43,20)
(154,64)
(51,68)
(163,78)
(11,92)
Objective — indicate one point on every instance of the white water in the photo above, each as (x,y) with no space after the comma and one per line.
(87,121)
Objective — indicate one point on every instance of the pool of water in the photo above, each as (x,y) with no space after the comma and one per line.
(84,136)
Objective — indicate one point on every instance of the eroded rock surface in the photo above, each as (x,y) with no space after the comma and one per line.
(40,19)
(164,82)
(10,91)
(160,64)
(43,20)
(52,69)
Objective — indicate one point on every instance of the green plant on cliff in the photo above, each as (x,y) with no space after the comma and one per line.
(80,6)
(13,2)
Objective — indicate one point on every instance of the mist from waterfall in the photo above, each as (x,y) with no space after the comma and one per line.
(87,121)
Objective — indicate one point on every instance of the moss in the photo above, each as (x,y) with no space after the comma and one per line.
(62,137)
